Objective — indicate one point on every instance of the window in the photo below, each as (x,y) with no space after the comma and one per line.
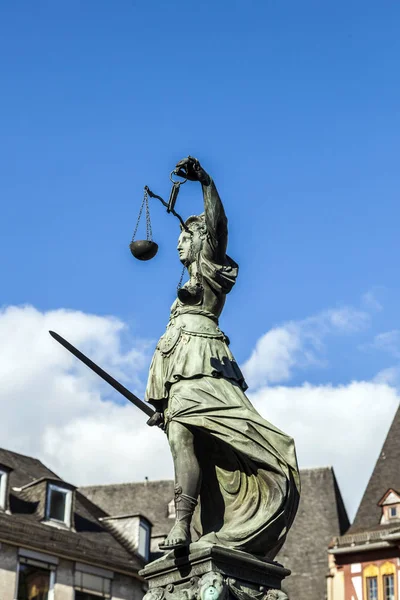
(34,582)
(144,541)
(3,489)
(391,512)
(59,504)
(390,504)
(372,588)
(90,585)
(388,587)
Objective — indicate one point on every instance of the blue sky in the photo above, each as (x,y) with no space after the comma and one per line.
(294,109)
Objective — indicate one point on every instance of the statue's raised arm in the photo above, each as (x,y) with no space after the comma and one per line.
(215,217)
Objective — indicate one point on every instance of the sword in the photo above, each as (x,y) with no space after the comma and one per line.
(99,371)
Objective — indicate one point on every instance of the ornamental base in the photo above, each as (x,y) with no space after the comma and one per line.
(213,573)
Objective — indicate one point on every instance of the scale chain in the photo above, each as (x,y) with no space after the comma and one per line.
(140,214)
(178,287)
(149,231)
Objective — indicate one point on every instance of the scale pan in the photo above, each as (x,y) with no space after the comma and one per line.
(143,249)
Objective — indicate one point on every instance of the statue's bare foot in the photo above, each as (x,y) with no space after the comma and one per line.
(178,536)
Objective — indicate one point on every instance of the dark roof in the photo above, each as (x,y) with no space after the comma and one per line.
(321,515)
(148,498)
(89,539)
(24,468)
(106,553)
(385,475)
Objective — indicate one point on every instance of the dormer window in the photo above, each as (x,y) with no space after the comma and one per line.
(58,505)
(3,488)
(133,531)
(390,504)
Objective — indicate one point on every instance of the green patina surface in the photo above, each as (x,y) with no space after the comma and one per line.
(242,469)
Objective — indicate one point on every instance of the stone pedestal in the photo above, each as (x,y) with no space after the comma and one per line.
(213,573)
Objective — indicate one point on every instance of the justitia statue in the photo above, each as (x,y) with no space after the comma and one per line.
(239,468)
(236,477)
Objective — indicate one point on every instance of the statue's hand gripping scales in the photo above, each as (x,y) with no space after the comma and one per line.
(241,468)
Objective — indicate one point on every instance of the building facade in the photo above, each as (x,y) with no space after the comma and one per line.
(365,562)
(55,544)
(62,543)
(320,516)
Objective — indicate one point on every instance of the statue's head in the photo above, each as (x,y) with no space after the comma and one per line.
(191,239)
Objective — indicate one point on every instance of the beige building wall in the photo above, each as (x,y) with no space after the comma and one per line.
(64,585)
(335,581)
(123,587)
(8,571)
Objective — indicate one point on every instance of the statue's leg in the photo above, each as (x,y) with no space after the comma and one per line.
(187,483)
(186,465)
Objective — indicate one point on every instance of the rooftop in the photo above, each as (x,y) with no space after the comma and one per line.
(149,498)
(88,539)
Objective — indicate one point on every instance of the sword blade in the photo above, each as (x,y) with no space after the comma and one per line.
(99,371)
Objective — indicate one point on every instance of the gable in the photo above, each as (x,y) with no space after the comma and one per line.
(391,497)
(385,476)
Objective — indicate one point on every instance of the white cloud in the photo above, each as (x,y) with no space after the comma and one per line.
(390,376)
(388,341)
(55,409)
(298,344)
(371,302)
(343,426)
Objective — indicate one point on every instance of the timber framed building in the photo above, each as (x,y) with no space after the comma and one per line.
(365,562)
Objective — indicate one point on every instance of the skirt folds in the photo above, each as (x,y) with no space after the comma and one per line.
(250,481)
(190,356)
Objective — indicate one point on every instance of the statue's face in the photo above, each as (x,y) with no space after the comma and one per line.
(189,245)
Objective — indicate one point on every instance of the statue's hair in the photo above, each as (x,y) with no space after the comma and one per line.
(196,223)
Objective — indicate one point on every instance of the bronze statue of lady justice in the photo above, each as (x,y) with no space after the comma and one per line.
(242,469)
(234,466)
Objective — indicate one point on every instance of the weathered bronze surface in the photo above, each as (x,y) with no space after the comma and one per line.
(239,467)
(143,249)
(214,573)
